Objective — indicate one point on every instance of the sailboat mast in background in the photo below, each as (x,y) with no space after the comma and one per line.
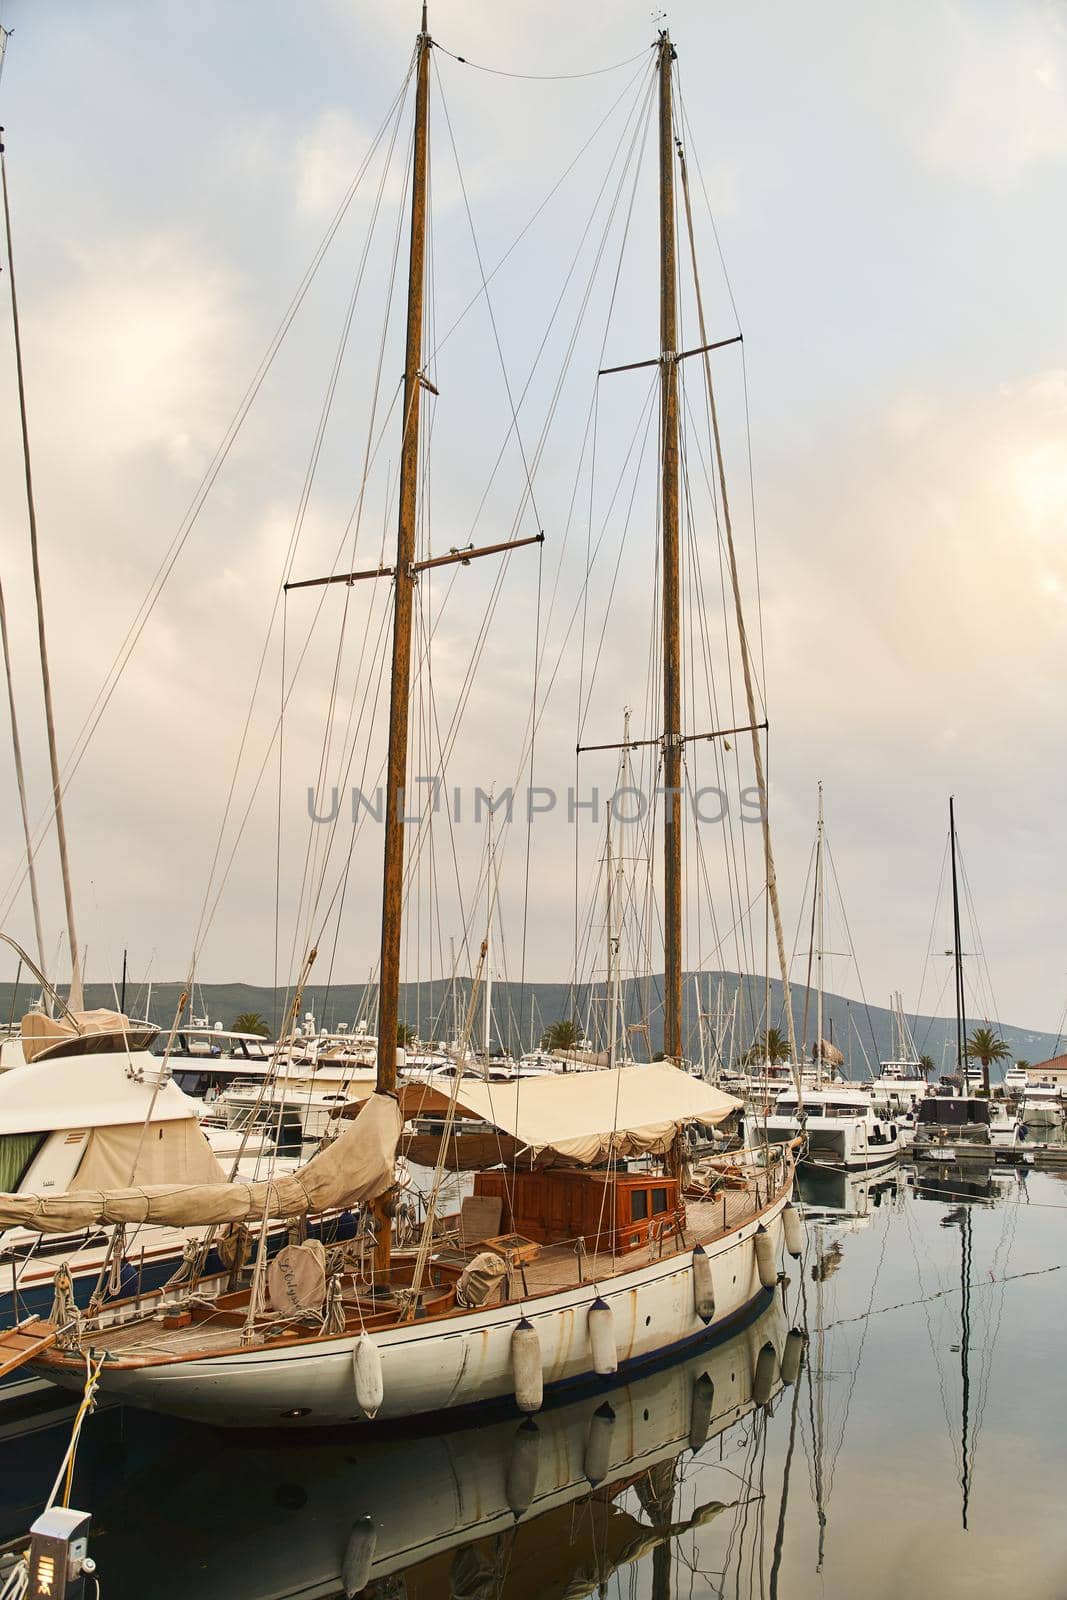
(46,679)
(957,951)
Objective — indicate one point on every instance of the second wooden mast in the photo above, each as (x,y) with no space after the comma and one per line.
(672,649)
(403,598)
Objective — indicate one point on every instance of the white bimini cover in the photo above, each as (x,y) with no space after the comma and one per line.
(589,1116)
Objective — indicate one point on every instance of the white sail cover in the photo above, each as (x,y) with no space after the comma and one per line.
(588,1116)
(356,1167)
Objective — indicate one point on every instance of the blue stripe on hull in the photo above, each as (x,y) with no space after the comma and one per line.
(556,1394)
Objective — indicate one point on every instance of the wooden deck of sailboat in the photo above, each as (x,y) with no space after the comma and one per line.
(556,1267)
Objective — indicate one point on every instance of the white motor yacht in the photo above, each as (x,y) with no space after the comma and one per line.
(839,1122)
(1041,1105)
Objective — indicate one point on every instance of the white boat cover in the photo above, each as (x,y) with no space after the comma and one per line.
(588,1116)
(356,1167)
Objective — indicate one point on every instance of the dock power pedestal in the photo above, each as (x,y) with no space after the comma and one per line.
(59,1559)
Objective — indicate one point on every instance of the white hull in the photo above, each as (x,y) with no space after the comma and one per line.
(842,1143)
(459,1361)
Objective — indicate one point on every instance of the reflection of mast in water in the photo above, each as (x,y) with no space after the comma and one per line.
(826,1264)
(779,1532)
(960,1217)
(656,1493)
(965,1355)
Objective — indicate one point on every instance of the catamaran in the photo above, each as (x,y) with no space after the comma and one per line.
(840,1126)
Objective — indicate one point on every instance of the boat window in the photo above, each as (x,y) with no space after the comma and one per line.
(194,1083)
(638,1204)
(17,1150)
(659,1201)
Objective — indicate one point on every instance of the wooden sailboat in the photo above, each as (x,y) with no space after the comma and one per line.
(565,1271)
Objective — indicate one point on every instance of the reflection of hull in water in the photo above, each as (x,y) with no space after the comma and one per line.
(951,1182)
(829,1193)
(954,1144)
(316,1520)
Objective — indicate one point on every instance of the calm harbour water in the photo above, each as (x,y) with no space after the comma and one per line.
(930,1396)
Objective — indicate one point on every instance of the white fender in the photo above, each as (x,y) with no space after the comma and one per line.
(764,1374)
(700,1412)
(703,1289)
(526,1366)
(793,1228)
(358,1557)
(367,1370)
(520,1484)
(596,1463)
(602,1338)
(792,1355)
(766,1265)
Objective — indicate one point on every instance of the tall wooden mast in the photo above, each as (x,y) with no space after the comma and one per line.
(672,651)
(403,593)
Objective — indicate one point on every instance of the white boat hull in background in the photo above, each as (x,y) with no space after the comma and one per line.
(832,1142)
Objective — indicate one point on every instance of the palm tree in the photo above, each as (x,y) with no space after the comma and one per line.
(562,1035)
(404,1035)
(986,1046)
(251,1022)
(772,1046)
(927,1065)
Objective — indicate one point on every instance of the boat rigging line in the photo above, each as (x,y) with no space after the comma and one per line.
(543,77)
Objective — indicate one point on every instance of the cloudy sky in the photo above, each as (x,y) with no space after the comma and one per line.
(888,192)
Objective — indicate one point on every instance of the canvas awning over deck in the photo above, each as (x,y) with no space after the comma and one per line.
(589,1116)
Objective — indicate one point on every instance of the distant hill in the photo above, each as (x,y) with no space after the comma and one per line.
(862,1033)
